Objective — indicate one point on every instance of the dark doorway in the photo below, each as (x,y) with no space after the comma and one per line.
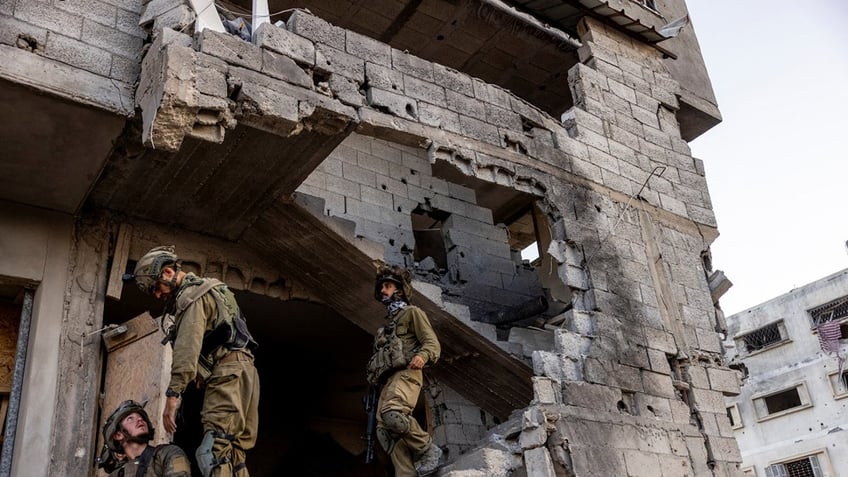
(311,364)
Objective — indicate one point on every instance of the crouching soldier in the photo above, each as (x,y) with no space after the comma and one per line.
(127,433)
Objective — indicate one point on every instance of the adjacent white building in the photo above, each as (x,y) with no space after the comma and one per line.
(790,418)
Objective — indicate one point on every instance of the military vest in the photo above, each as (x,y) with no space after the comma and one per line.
(229,329)
(388,353)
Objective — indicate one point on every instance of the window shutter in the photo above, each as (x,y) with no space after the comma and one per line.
(814,464)
(776,470)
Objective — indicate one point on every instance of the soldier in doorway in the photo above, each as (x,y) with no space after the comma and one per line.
(128,432)
(401,350)
(212,348)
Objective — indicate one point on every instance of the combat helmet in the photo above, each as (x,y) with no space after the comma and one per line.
(397,275)
(113,423)
(149,267)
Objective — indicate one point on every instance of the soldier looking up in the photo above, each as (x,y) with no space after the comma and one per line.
(401,350)
(213,348)
(127,432)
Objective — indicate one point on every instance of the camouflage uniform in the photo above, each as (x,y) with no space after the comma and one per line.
(231,398)
(167,461)
(402,388)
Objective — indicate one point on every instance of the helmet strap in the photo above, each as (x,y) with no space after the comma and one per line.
(172,283)
(139,439)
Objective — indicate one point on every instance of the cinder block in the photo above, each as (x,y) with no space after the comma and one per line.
(122,69)
(423,90)
(368,48)
(231,49)
(502,117)
(412,65)
(339,62)
(479,130)
(284,68)
(376,196)
(127,22)
(465,105)
(358,174)
(396,104)
(81,55)
(316,29)
(284,42)
(452,79)
(441,118)
(724,380)
(657,384)
(111,39)
(383,77)
(42,14)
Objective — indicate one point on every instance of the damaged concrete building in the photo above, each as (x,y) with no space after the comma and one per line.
(443,135)
(790,416)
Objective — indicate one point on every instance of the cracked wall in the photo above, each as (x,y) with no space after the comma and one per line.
(630,378)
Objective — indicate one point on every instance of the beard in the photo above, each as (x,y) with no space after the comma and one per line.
(141,438)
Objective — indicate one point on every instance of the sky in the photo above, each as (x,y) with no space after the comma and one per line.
(776,165)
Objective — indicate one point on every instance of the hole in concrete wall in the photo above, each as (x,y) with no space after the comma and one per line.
(427,226)
(489,263)
(627,403)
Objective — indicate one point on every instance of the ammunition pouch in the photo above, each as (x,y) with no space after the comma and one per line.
(388,355)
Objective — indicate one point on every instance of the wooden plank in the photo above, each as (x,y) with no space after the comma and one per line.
(131,331)
(119,262)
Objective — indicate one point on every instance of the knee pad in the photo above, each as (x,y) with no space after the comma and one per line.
(206,458)
(385,439)
(396,422)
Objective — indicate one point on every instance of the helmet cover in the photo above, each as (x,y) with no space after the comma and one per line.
(397,275)
(149,267)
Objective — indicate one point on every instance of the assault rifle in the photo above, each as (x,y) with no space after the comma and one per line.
(370,401)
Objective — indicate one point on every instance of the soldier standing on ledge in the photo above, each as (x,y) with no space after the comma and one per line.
(401,350)
(213,348)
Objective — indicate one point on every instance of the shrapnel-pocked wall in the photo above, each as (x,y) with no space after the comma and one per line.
(629,373)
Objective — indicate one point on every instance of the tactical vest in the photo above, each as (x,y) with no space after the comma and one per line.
(388,352)
(229,329)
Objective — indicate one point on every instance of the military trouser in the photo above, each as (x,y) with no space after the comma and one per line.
(231,411)
(400,393)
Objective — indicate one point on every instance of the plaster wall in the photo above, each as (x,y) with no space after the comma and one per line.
(35,246)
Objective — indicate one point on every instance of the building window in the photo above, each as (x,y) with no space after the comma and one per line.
(836,310)
(762,338)
(805,467)
(839,384)
(782,402)
(734,416)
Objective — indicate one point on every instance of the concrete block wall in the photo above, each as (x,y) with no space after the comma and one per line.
(641,343)
(377,184)
(641,327)
(96,43)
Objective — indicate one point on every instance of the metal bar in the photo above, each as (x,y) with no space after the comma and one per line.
(261,14)
(17,385)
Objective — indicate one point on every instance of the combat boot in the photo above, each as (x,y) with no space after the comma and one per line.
(428,462)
